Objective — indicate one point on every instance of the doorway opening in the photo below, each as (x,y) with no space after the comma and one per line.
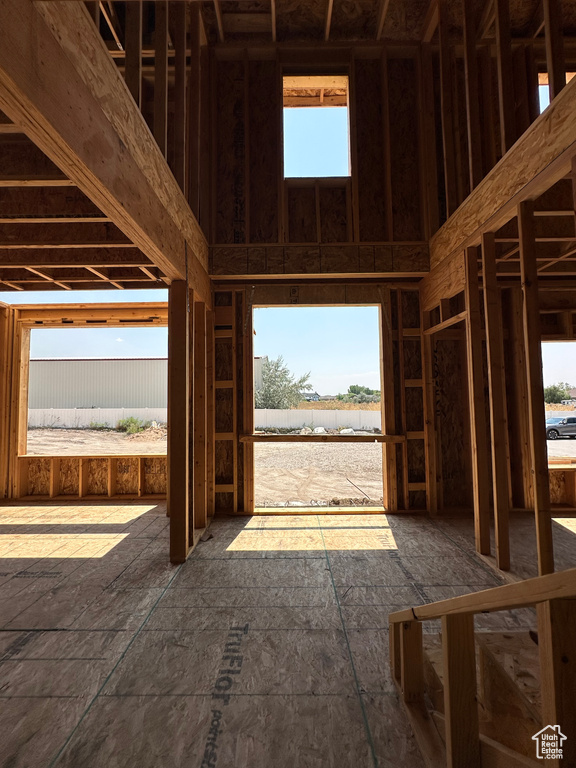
(317,407)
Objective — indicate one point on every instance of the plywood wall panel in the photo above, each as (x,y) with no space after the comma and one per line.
(69,477)
(224,462)
(127,475)
(38,477)
(154,480)
(230,214)
(405,157)
(224,410)
(370,154)
(414,409)
(224,365)
(96,477)
(264,147)
(333,215)
(302,215)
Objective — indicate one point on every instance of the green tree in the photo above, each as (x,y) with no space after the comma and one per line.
(280,388)
(555,393)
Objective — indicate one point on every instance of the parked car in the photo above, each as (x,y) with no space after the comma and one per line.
(564,428)
(552,420)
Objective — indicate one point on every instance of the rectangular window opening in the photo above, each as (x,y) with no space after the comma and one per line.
(544,88)
(316,126)
(317,376)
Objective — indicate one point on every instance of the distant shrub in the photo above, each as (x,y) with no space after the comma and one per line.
(99,425)
(131,425)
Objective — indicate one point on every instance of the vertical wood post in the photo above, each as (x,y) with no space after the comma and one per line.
(210,403)
(430,423)
(478,432)
(447,110)
(555,63)
(388,394)
(133,71)
(498,414)
(536,410)
(161,75)
(460,704)
(23,387)
(557,649)
(411,661)
(505,75)
(200,418)
(178,420)
(178,13)
(472,97)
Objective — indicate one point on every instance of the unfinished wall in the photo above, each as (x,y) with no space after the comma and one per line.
(330,225)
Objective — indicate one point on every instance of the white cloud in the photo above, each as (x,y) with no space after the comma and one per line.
(119,339)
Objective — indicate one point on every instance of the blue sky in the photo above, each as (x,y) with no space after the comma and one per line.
(339,346)
(316,142)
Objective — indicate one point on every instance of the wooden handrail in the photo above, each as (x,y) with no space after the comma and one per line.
(519,595)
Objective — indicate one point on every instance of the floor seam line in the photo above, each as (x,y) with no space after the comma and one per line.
(105,683)
(356,683)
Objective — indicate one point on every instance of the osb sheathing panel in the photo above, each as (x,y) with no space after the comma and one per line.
(333,215)
(239,416)
(127,476)
(223,364)
(230,211)
(416,461)
(264,136)
(38,477)
(412,359)
(370,149)
(354,20)
(410,309)
(224,410)
(557,487)
(405,158)
(69,477)
(224,502)
(300,21)
(404,20)
(302,215)
(452,419)
(224,462)
(97,477)
(414,409)
(154,481)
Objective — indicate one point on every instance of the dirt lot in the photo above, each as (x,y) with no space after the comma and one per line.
(94,442)
(316,474)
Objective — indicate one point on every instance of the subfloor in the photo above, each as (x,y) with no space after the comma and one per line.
(267,648)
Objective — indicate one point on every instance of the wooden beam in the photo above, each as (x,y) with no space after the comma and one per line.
(460,694)
(541,157)
(536,412)
(472,97)
(389,475)
(70,257)
(498,417)
(479,436)
(273,19)
(178,421)
(72,101)
(505,76)
(555,62)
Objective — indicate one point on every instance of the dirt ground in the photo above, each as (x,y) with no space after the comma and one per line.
(310,474)
(94,442)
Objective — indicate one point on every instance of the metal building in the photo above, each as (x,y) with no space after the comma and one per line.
(137,382)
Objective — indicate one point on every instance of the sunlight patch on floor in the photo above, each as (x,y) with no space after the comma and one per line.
(61,546)
(566,522)
(73,515)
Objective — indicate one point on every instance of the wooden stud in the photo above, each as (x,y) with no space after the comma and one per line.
(210,405)
(161,75)
(447,109)
(248,416)
(556,633)
(498,417)
(194,105)
(479,437)
(460,704)
(555,62)
(133,45)
(179,33)
(389,480)
(112,475)
(23,385)
(505,79)
(200,417)
(536,411)
(178,420)
(472,97)
(411,661)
